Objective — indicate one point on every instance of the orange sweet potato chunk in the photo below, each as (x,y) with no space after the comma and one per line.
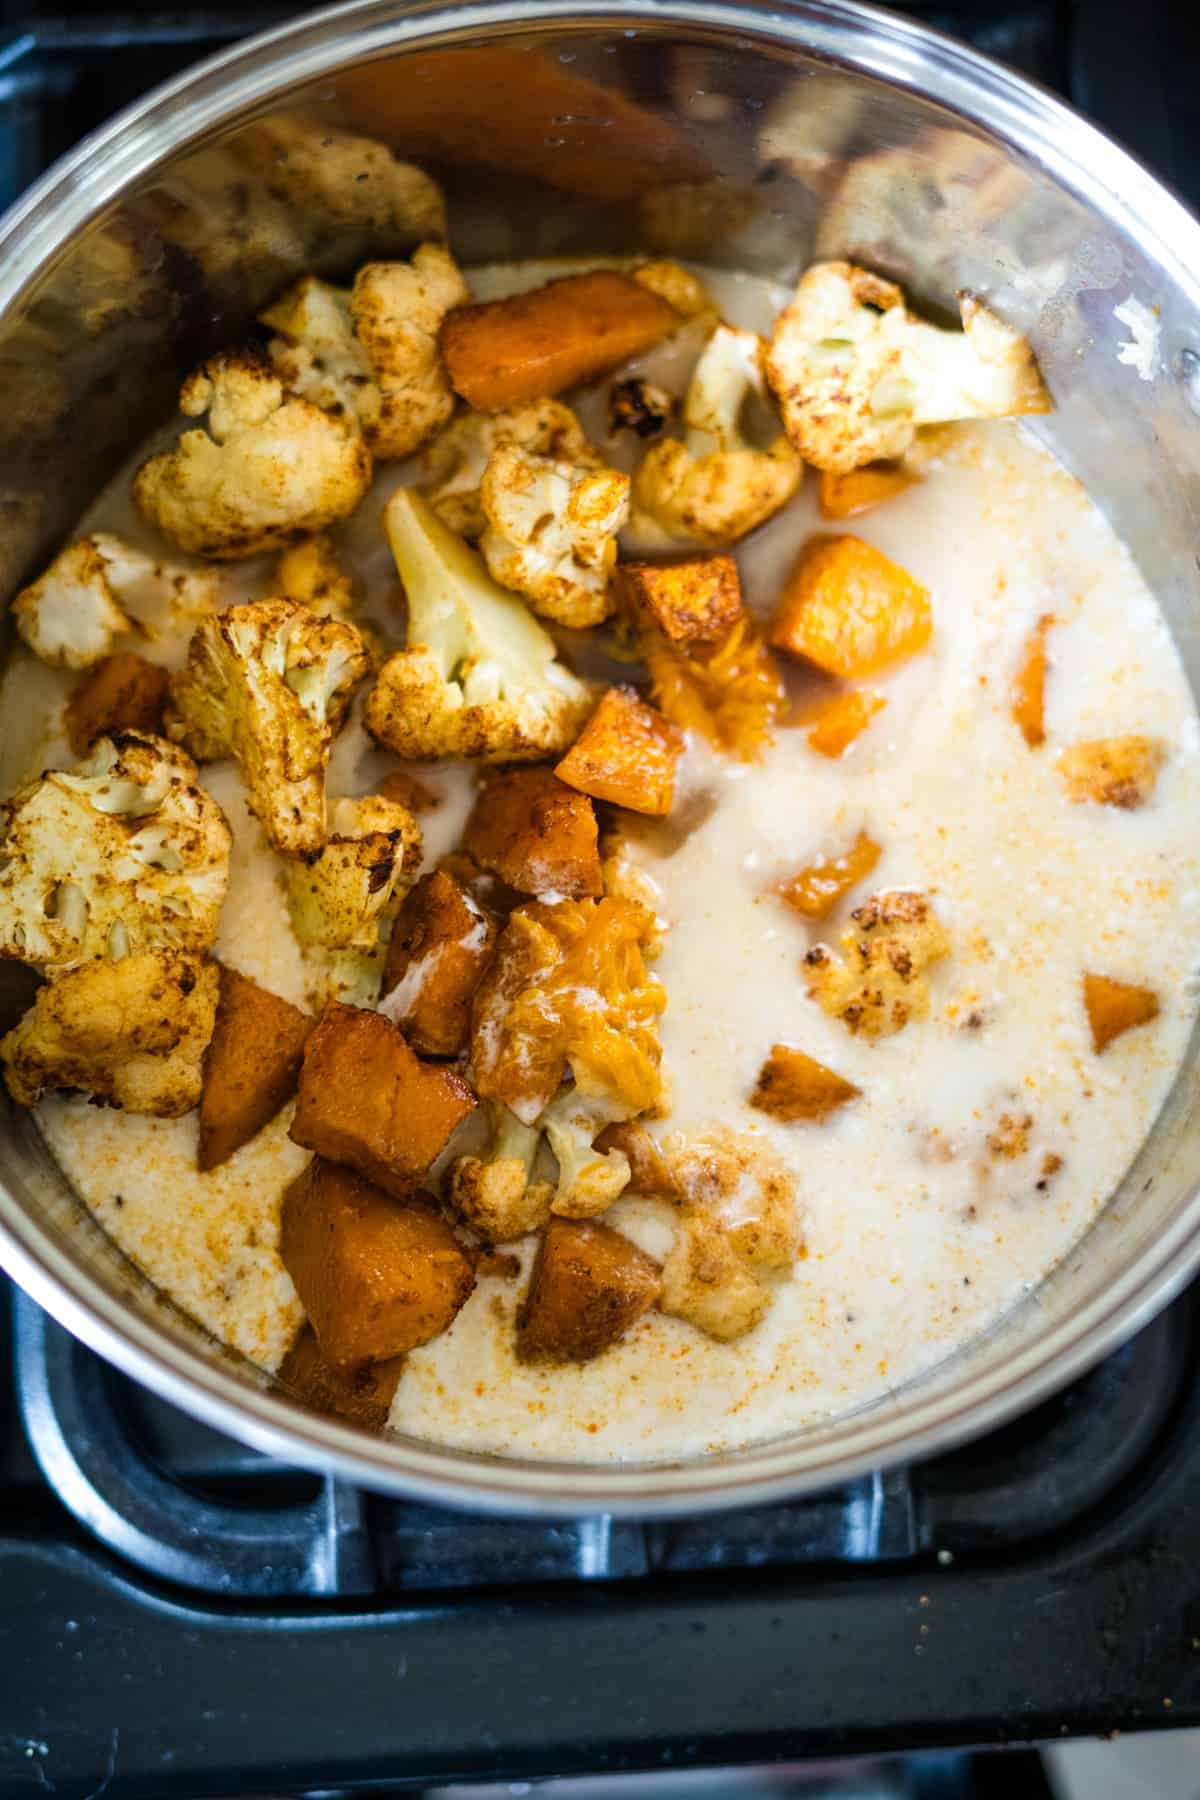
(1114,1007)
(696,600)
(363,1396)
(841,720)
(626,753)
(536,833)
(376,1277)
(850,610)
(792,1086)
(1119,771)
(122,693)
(649,1171)
(816,890)
(406,790)
(729,692)
(366,1099)
(856,491)
(1029,687)
(250,1066)
(441,943)
(505,352)
(589,1286)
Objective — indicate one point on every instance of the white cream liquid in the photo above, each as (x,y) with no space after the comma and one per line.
(916,1238)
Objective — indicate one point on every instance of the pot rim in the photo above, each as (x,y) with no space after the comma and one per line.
(898,51)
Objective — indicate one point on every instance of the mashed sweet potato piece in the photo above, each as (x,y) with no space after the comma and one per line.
(625,754)
(440,945)
(251,1065)
(792,1086)
(536,833)
(849,610)
(729,692)
(122,693)
(589,1286)
(1114,1007)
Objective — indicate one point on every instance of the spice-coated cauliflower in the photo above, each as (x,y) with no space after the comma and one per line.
(737,1225)
(706,1282)
(552,532)
(716,486)
(311,573)
(856,373)
(454,462)
(342,179)
(495,1194)
(369,862)
(878,982)
(123,853)
(480,677)
(371,353)
(131,1034)
(271,467)
(98,588)
(589,1180)
(269,684)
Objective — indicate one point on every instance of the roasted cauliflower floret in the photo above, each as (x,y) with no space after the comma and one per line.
(369,862)
(878,982)
(679,288)
(98,588)
(311,573)
(130,1033)
(345,179)
(454,463)
(552,532)
(496,1194)
(270,468)
(269,684)
(371,352)
(716,486)
(480,677)
(589,1180)
(856,373)
(123,853)
(706,1282)
(737,1225)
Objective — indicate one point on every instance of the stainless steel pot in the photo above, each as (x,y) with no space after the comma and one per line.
(745,134)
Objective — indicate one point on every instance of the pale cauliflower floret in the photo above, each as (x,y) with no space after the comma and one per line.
(589,1180)
(878,982)
(311,573)
(371,352)
(552,532)
(706,1282)
(495,1194)
(716,486)
(856,373)
(454,463)
(130,1033)
(740,1183)
(271,467)
(368,864)
(480,677)
(98,588)
(269,684)
(123,853)
(343,179)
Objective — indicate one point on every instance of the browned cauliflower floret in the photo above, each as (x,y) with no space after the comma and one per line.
(878,982)
(495,1194)
(454,463)
(311,573)
(97,588)
(129,1033)
(589,1180)
(343,179)
(552,532)
(369,862)
(737,1225)
(371,352)
(856,373)
(717,486)
(706,1282)
(271,467)
(123,853)
(480,677)
(269,684)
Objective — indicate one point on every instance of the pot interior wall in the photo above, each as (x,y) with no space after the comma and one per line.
(585,137)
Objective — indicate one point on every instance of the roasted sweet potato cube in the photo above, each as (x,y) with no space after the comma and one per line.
(792,1086)
(366,1099)
(505,352)
(841,720)
(626,753)
(122,693)
(588,1287)
(406,790)
(363,1395)
(537,834)
(376,1276)
(816,890)
(697,600)
(1114,1007)
(649,1171)
(856,491)
(1118,771)
(1029,687)
(250,1067)
(441,943)
(850,610)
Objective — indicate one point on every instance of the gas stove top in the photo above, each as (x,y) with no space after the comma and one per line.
(181,1616)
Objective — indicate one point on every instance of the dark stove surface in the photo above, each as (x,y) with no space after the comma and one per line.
(179,1616)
